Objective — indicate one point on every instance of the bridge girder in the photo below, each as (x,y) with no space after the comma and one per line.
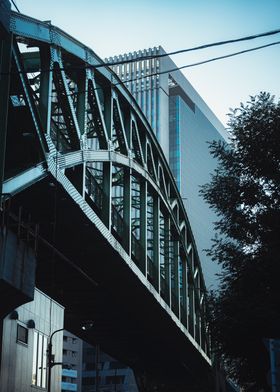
(88,139)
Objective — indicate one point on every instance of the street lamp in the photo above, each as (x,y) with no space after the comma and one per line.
(51,361)
(88,324)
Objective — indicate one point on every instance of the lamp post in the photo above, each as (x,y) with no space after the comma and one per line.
(51,359)
(51,362)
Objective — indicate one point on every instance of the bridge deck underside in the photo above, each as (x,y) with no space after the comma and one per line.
(127,322)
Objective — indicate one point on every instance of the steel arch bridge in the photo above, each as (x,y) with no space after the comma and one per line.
(113,241)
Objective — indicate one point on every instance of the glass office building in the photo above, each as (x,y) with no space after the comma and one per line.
(183,124)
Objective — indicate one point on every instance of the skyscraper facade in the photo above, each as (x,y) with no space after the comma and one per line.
(183,124)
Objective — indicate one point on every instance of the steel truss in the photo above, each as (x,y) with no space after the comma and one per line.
(94,140)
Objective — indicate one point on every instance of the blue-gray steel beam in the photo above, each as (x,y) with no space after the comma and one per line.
(127,210)
(81,100)
(25,179)
(176,275)
(143,225)
(107,200)
(107,167)
(156,242)
(29,98)
(45,88)
(5,68)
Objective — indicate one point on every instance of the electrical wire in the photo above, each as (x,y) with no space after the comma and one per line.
(199,63)
(123,82)
(89,66)
(14,4)
(205,46)
(219,43)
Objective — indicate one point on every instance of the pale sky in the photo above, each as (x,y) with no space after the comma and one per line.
(114,27)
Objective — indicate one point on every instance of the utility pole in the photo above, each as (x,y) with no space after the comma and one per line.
(51,357)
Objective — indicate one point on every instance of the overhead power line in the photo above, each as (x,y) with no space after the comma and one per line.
(219,43)
(123,82)
(205,46)
(76,68)
(16,7)
(199,63)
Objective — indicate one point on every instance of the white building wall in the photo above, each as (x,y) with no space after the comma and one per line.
(17,357)
(196,166)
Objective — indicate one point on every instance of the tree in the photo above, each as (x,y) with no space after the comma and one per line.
(245,193)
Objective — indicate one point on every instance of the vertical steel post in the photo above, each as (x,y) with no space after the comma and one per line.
(107,195)
(143,225)
(156,241)
(127,189)
(191,313)
(107,166)
(81,100)
(185,290)
(167,261)
(176,274)
(127,210)
(81,116)
(5,68)
(45,88)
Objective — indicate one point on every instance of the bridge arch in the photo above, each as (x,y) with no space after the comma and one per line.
(94,141)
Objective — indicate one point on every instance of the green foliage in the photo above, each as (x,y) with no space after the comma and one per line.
(245,193)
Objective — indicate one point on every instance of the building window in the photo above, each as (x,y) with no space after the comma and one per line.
(39,365)
(22,334)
